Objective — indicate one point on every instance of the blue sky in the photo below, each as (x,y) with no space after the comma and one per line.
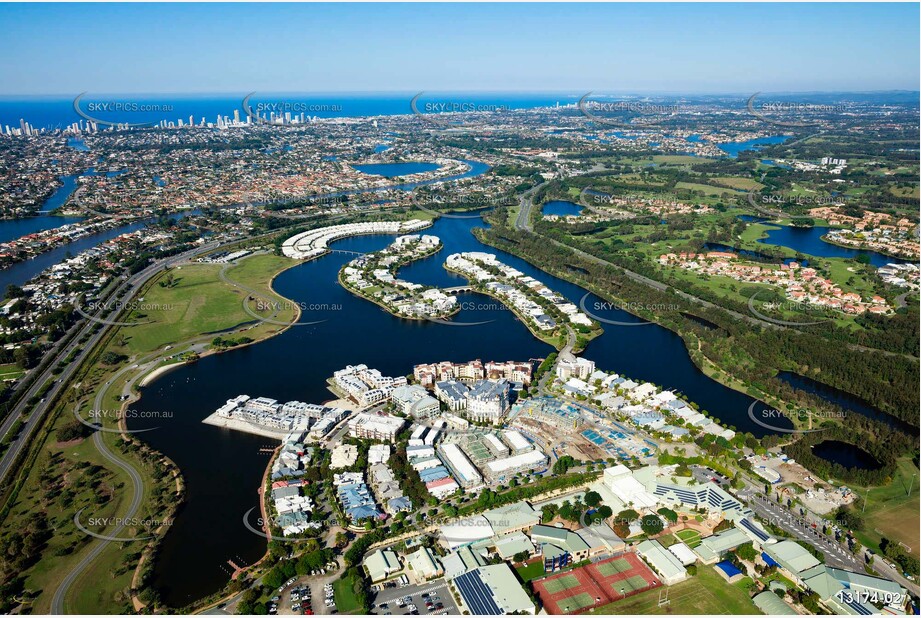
(692,48)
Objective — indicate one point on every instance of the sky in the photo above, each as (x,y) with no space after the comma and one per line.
(638,48)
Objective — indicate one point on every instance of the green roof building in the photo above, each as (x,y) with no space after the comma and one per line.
(772,605)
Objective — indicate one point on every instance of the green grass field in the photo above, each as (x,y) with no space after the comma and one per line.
(560,584)
(199,302)
(10,372)
(889,507)
(706,189)
(691,538)
(744,184)
(344,595)
(678,160)
(704,594)
(531,571)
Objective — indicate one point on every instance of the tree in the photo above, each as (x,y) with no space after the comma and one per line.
(668,514)
(651,525)
(592,498)
(746,552)
(520,556)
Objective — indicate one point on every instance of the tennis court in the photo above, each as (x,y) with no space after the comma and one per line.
(562,583)
(595,585)
(623,576)
(618,565)
(578,602)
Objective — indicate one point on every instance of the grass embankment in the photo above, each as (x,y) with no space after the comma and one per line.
(705,593)
(890,508)
(70,476)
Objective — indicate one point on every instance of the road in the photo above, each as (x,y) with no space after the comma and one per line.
(836,554)
(124,292)
(523,223)
(57,602)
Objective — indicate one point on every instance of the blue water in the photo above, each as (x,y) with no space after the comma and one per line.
(58,111)
(752,255)
(11,229)
(773,163)
(356,331)
(561,208)
(381,148)
(808,240)
(734,148)
(395,170)
(21,272)
(77,144)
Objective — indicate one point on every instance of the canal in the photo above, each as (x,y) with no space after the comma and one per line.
(223,468)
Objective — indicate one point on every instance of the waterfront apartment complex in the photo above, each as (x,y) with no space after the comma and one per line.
(515,371)
(375,427)
(366,386)
(488,401)
(314,243)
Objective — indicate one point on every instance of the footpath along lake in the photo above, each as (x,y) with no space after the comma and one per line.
(223,468)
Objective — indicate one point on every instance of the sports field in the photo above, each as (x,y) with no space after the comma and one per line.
(595,585)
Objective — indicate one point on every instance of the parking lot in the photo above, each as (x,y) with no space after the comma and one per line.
(387,601)
(293,599)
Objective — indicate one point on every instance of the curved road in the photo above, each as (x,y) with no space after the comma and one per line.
(57,602)
(523,223)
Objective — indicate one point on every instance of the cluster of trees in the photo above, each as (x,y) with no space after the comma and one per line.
(72,430)
(223,343)
(491,499)
(895,552)
(753,355)
(19,550)
(311,560)
(412,486)
(884,451)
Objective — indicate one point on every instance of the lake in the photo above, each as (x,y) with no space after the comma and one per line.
(808,240)
(561,208)
(846,455)
(395,170)
(223,468)
(734,148)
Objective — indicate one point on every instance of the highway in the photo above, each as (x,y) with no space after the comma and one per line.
(124,292)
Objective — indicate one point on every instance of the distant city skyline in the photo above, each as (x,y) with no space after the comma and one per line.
(189,49)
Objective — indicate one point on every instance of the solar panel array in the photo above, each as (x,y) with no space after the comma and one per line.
(477,595)
(754,530)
